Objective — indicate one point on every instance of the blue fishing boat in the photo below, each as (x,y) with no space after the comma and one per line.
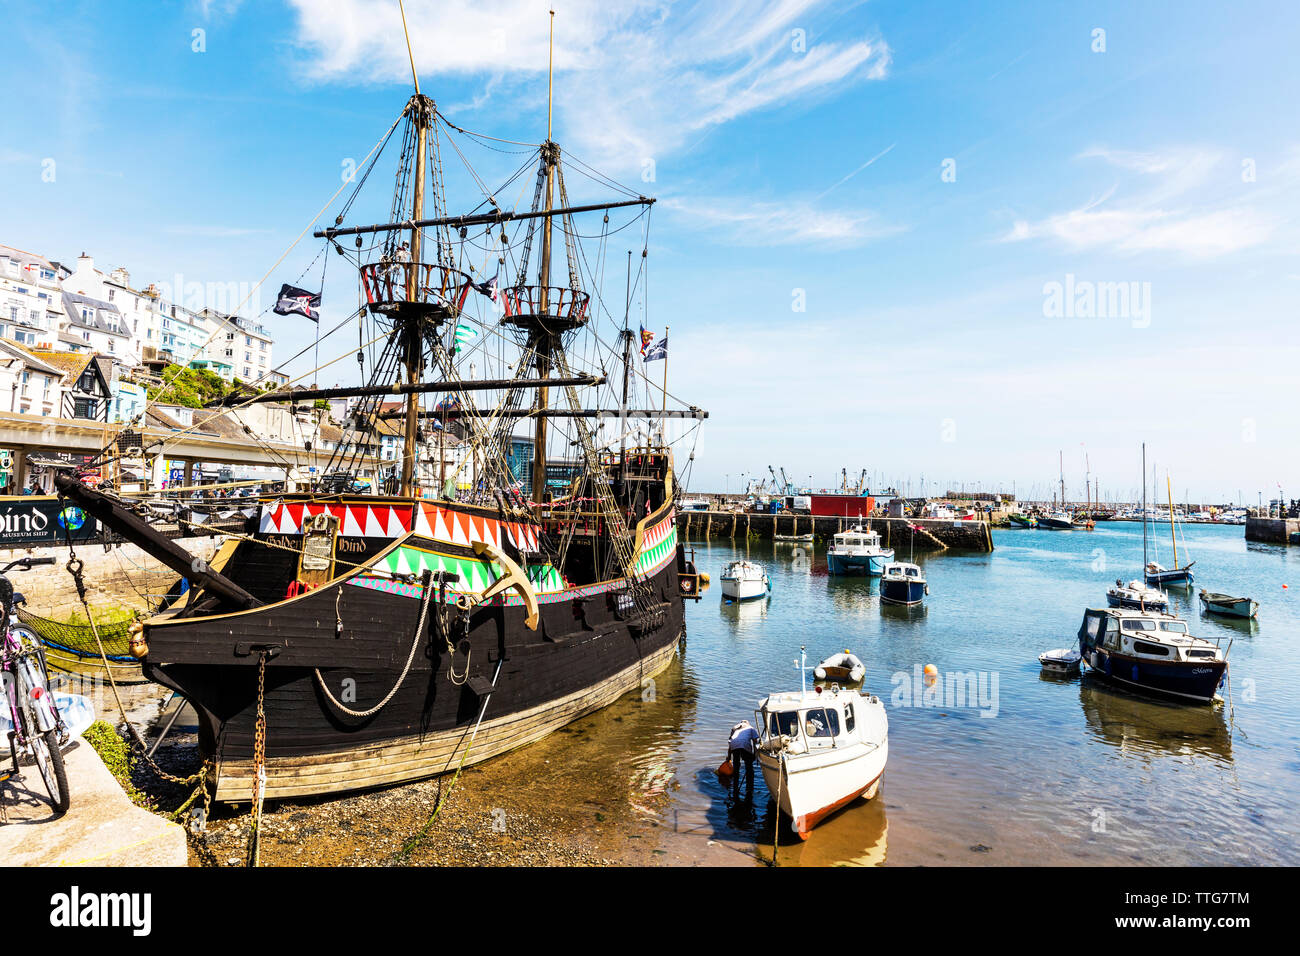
(903,583)
(857,552)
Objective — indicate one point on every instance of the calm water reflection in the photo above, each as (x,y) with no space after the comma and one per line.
(1068,771)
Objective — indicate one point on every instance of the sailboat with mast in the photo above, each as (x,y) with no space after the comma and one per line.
(1157,573)
(347,641)
(1058,519)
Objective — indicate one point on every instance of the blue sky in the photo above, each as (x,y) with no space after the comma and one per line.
(918,176)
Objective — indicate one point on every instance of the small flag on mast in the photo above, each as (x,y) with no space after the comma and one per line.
(657,351)
(465,335)
(646,339)
(295,301)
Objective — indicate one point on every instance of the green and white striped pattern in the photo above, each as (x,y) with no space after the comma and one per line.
(474,575)
(658,544)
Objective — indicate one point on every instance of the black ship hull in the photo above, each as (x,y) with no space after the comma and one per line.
(479,681)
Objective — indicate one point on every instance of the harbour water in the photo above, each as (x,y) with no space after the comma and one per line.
(1060,771)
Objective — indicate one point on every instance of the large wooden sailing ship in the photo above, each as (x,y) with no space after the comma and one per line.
(382,634)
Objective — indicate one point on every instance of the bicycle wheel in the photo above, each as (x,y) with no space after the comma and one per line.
(49,759)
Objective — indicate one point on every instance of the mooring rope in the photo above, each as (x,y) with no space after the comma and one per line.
(415,643)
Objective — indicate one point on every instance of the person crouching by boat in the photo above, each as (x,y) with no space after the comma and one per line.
(741,747)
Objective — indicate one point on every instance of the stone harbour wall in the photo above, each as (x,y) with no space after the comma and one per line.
(933,534)
(122,579)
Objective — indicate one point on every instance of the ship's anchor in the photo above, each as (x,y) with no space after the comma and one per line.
(514,577)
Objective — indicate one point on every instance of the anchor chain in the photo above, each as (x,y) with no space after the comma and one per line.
(259,763)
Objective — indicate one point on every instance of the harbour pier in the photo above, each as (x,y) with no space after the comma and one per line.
(1272,530)
(930,534)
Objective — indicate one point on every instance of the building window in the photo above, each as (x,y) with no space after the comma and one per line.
(110,295)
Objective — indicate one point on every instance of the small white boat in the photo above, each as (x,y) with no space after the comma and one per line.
(792,538)
(841,667)
(1136,595)
(821,750)
(1062,660)
(744,581)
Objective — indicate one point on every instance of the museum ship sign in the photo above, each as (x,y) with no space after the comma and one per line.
(30,521)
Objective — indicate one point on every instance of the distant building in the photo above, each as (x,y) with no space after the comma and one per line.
(129,400)
(93,325)
(121,307)
(238,347)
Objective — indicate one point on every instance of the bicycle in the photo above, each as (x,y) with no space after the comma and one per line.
(38,731)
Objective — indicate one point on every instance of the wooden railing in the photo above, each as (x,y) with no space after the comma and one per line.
(391,282)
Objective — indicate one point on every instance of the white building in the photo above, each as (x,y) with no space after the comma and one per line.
(31,303)
(29,385)
(114,289)
(94,325)
(240,348)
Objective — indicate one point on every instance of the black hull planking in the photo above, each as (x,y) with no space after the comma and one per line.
(549,676)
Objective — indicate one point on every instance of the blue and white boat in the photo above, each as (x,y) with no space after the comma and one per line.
(903,583)
(857,552)
(1151,651)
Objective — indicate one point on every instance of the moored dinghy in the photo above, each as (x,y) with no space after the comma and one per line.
(821,750)
(1061,660)
(841,667)
(1215,603)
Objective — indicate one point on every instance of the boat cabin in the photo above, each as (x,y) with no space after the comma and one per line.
(811,720)
(903,571)
(856,539)
(1145,635)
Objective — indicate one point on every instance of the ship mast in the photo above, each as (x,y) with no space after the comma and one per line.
(422,115)
(549,156)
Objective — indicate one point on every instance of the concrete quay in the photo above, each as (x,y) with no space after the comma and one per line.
(101,828)
(932,534)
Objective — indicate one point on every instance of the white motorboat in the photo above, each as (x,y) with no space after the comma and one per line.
(1061,660)
(744,581)
(820,750)
(1136,595)
(841,667)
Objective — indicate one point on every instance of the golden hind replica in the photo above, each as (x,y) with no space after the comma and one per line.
(381,634)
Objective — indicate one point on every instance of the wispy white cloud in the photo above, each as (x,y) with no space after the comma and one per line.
(793,222)
(634,81)
(1175,201)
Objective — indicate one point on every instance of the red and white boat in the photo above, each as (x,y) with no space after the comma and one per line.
(820,750)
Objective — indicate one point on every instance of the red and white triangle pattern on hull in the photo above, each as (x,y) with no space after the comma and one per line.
(393,521)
